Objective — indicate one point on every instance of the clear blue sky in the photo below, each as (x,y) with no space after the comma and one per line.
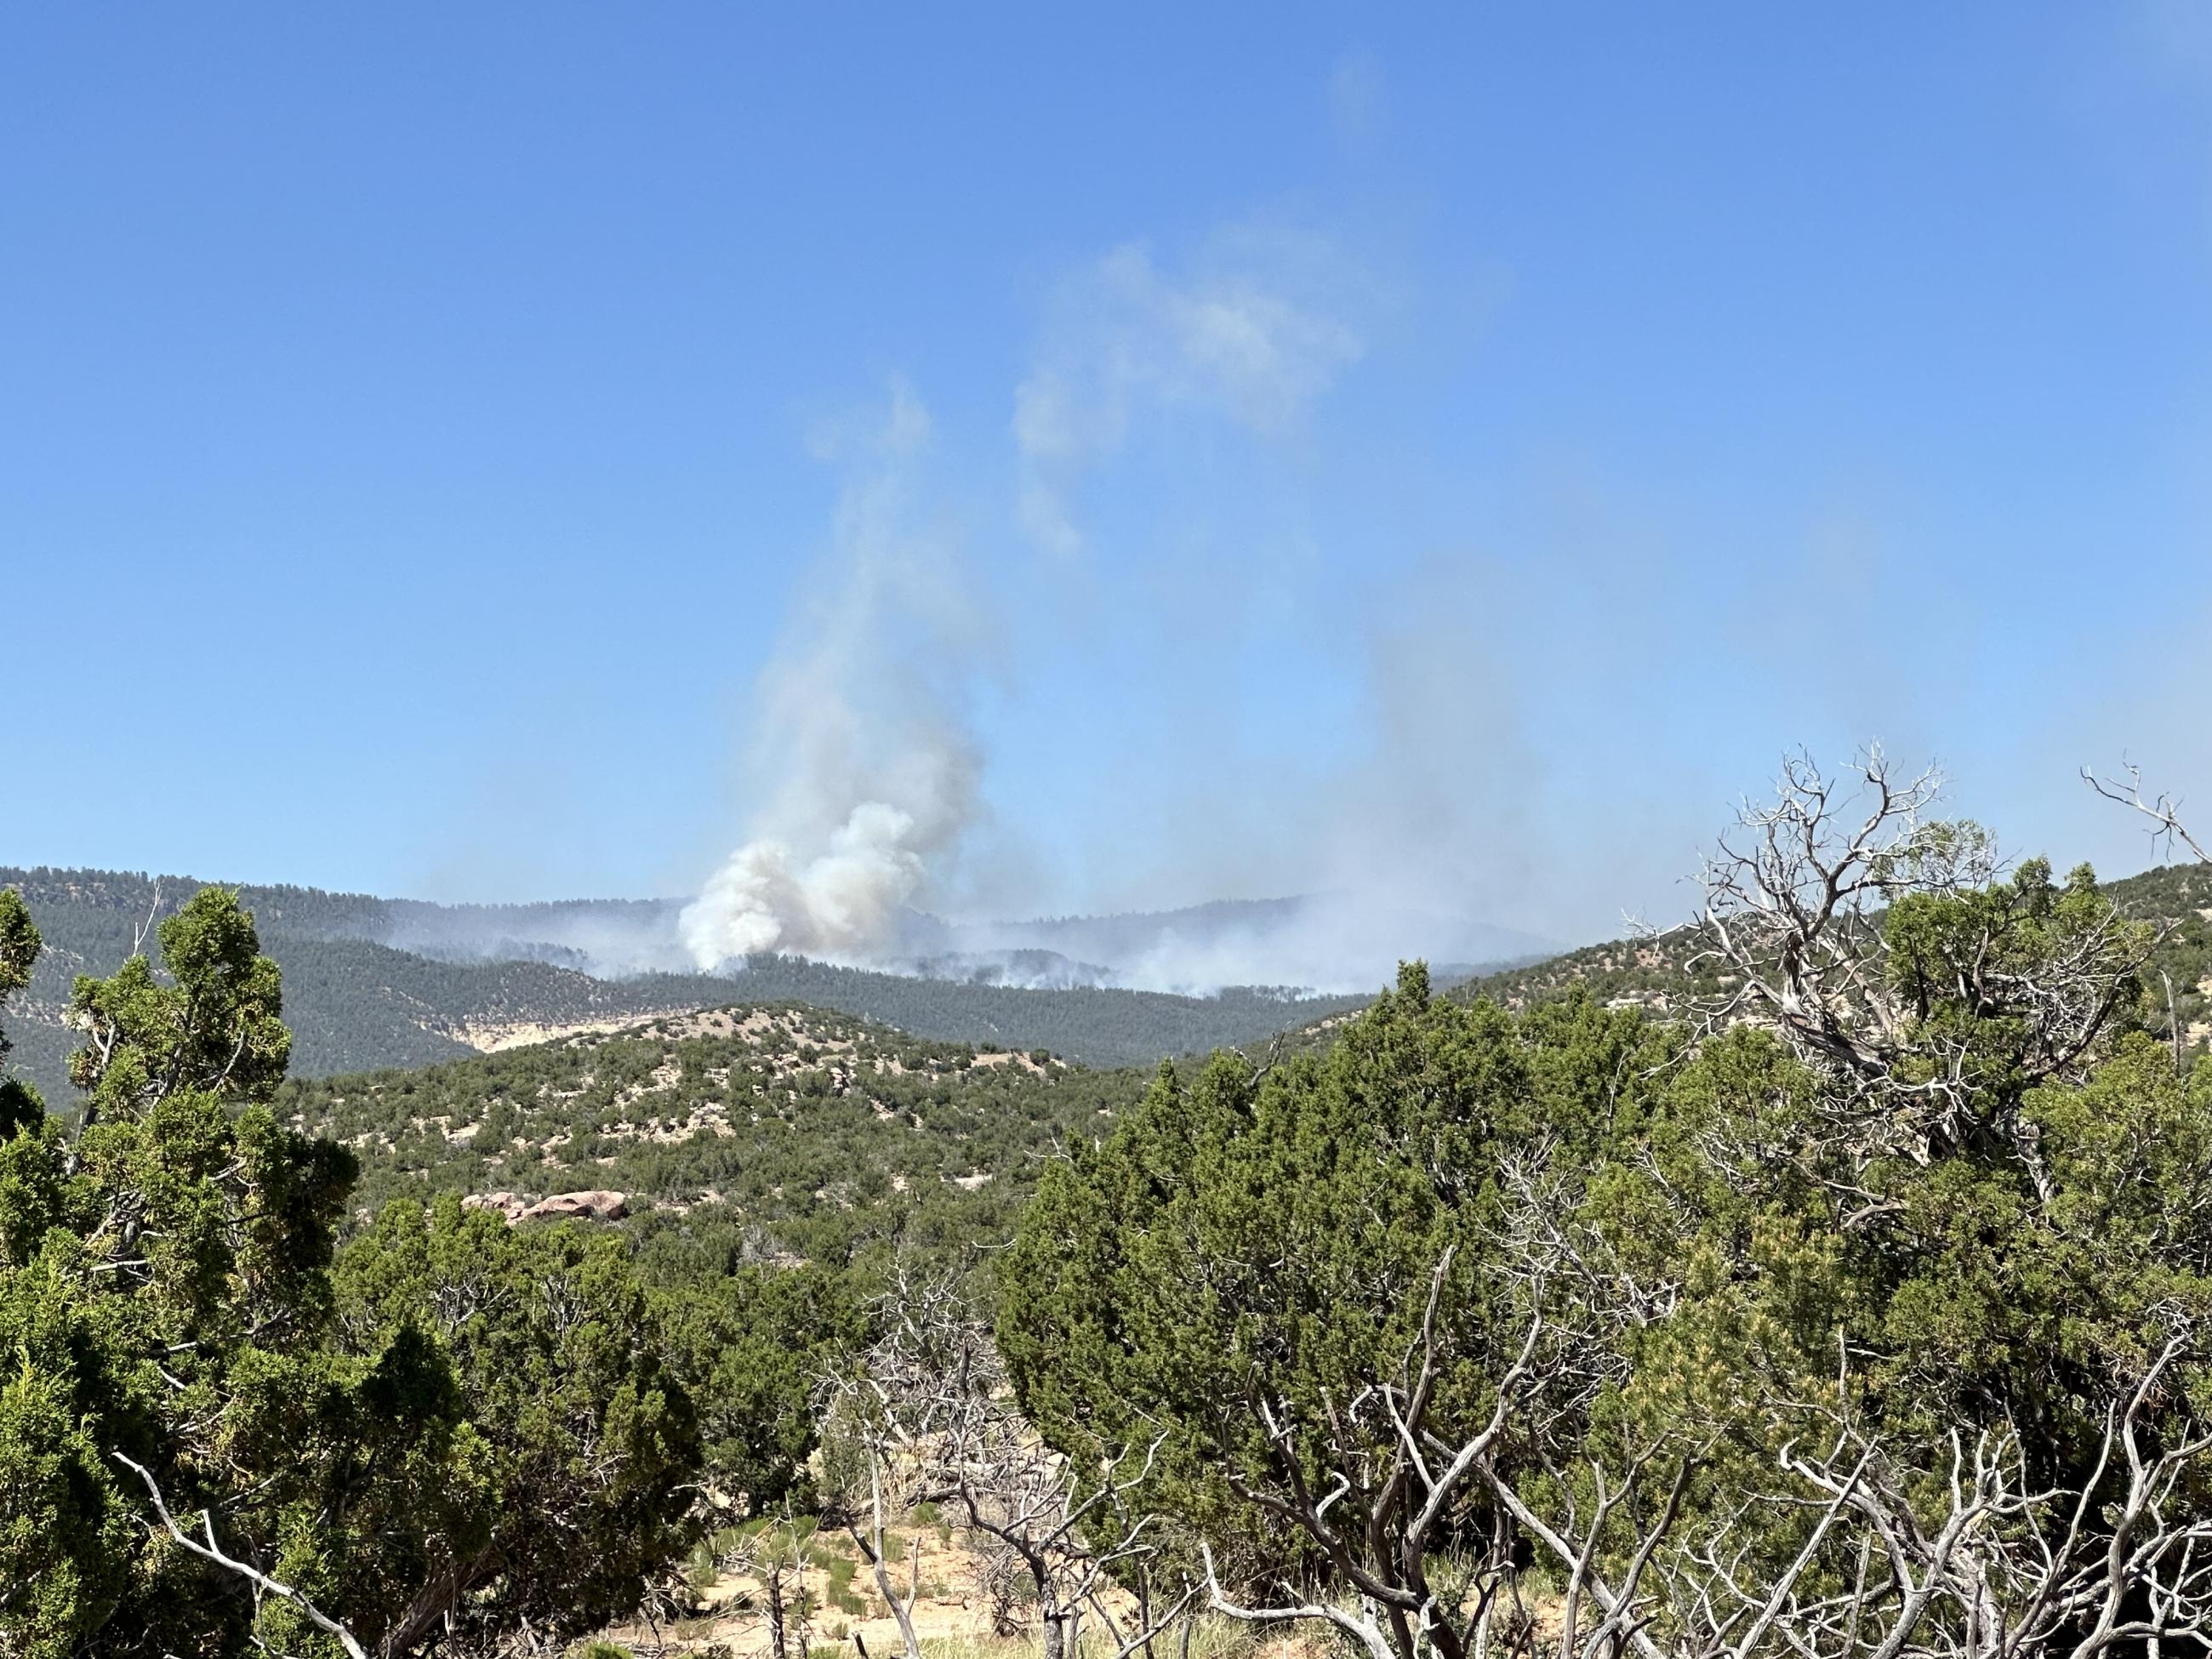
(1479,437)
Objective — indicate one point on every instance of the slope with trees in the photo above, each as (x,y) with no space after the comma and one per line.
(813,1134)
(1676,970)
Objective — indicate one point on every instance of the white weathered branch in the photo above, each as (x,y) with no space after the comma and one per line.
(262,1583)
(2163,810)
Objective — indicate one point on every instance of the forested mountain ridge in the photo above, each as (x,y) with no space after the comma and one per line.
(355,1004)
(309,912)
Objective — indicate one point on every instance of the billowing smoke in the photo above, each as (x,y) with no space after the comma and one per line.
(863,777)
(839,902)
(865,780)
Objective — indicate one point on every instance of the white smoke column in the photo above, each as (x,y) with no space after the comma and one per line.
(864,774)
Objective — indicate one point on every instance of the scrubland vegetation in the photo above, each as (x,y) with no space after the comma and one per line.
(1833,1279)
(817,1133)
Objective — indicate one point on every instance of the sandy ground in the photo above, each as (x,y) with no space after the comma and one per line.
(950,1609)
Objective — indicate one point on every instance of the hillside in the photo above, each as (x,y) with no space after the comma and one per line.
(356,1003)
(815,1130)
(1659,971)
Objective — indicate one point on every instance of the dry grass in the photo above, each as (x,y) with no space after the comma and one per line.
(952,1618)
(1210,1637)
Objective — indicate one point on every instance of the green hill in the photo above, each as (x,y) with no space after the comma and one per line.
(814,1131)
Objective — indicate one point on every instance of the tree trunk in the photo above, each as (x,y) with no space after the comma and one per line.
(1052,1619)
(902,1609)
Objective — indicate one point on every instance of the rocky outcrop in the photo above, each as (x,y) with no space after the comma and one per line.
(597,1204)
(592,1204)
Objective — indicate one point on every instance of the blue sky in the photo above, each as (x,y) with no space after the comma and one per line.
(441,447)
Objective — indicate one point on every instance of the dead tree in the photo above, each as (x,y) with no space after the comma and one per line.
(938,1423)
(1380,1510)
(1948,1552)
(774,1555)
(883,1412)
(2167,831)
(2003,1569)
(1039,1509)
(1953,1553)
(1792,898)
(1377,1502)
(1381,1484)
(1896,1547)
(261,1585)
(1796,901)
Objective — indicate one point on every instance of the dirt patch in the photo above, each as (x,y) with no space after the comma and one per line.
(952,1612)
(494,1036)
(1007,1057)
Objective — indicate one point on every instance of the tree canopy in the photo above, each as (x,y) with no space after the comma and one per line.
(1870,1318)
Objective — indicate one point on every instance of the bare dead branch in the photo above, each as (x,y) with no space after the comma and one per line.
(2163,810)
(263,1584)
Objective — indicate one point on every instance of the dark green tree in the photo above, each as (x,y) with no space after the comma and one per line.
(1252,1262)
(565,1484)
(164,1275)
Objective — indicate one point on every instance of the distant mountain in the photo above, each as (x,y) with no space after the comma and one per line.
(1338,942)
(1329,942)
(373,982)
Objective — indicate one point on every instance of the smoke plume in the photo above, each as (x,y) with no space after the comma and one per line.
(866,779)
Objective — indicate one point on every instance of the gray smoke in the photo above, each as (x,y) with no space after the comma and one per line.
(865,778)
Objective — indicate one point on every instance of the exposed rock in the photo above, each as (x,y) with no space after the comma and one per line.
(594,1205)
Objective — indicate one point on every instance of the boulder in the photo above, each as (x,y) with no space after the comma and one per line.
(591,1205)
(594,1205)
